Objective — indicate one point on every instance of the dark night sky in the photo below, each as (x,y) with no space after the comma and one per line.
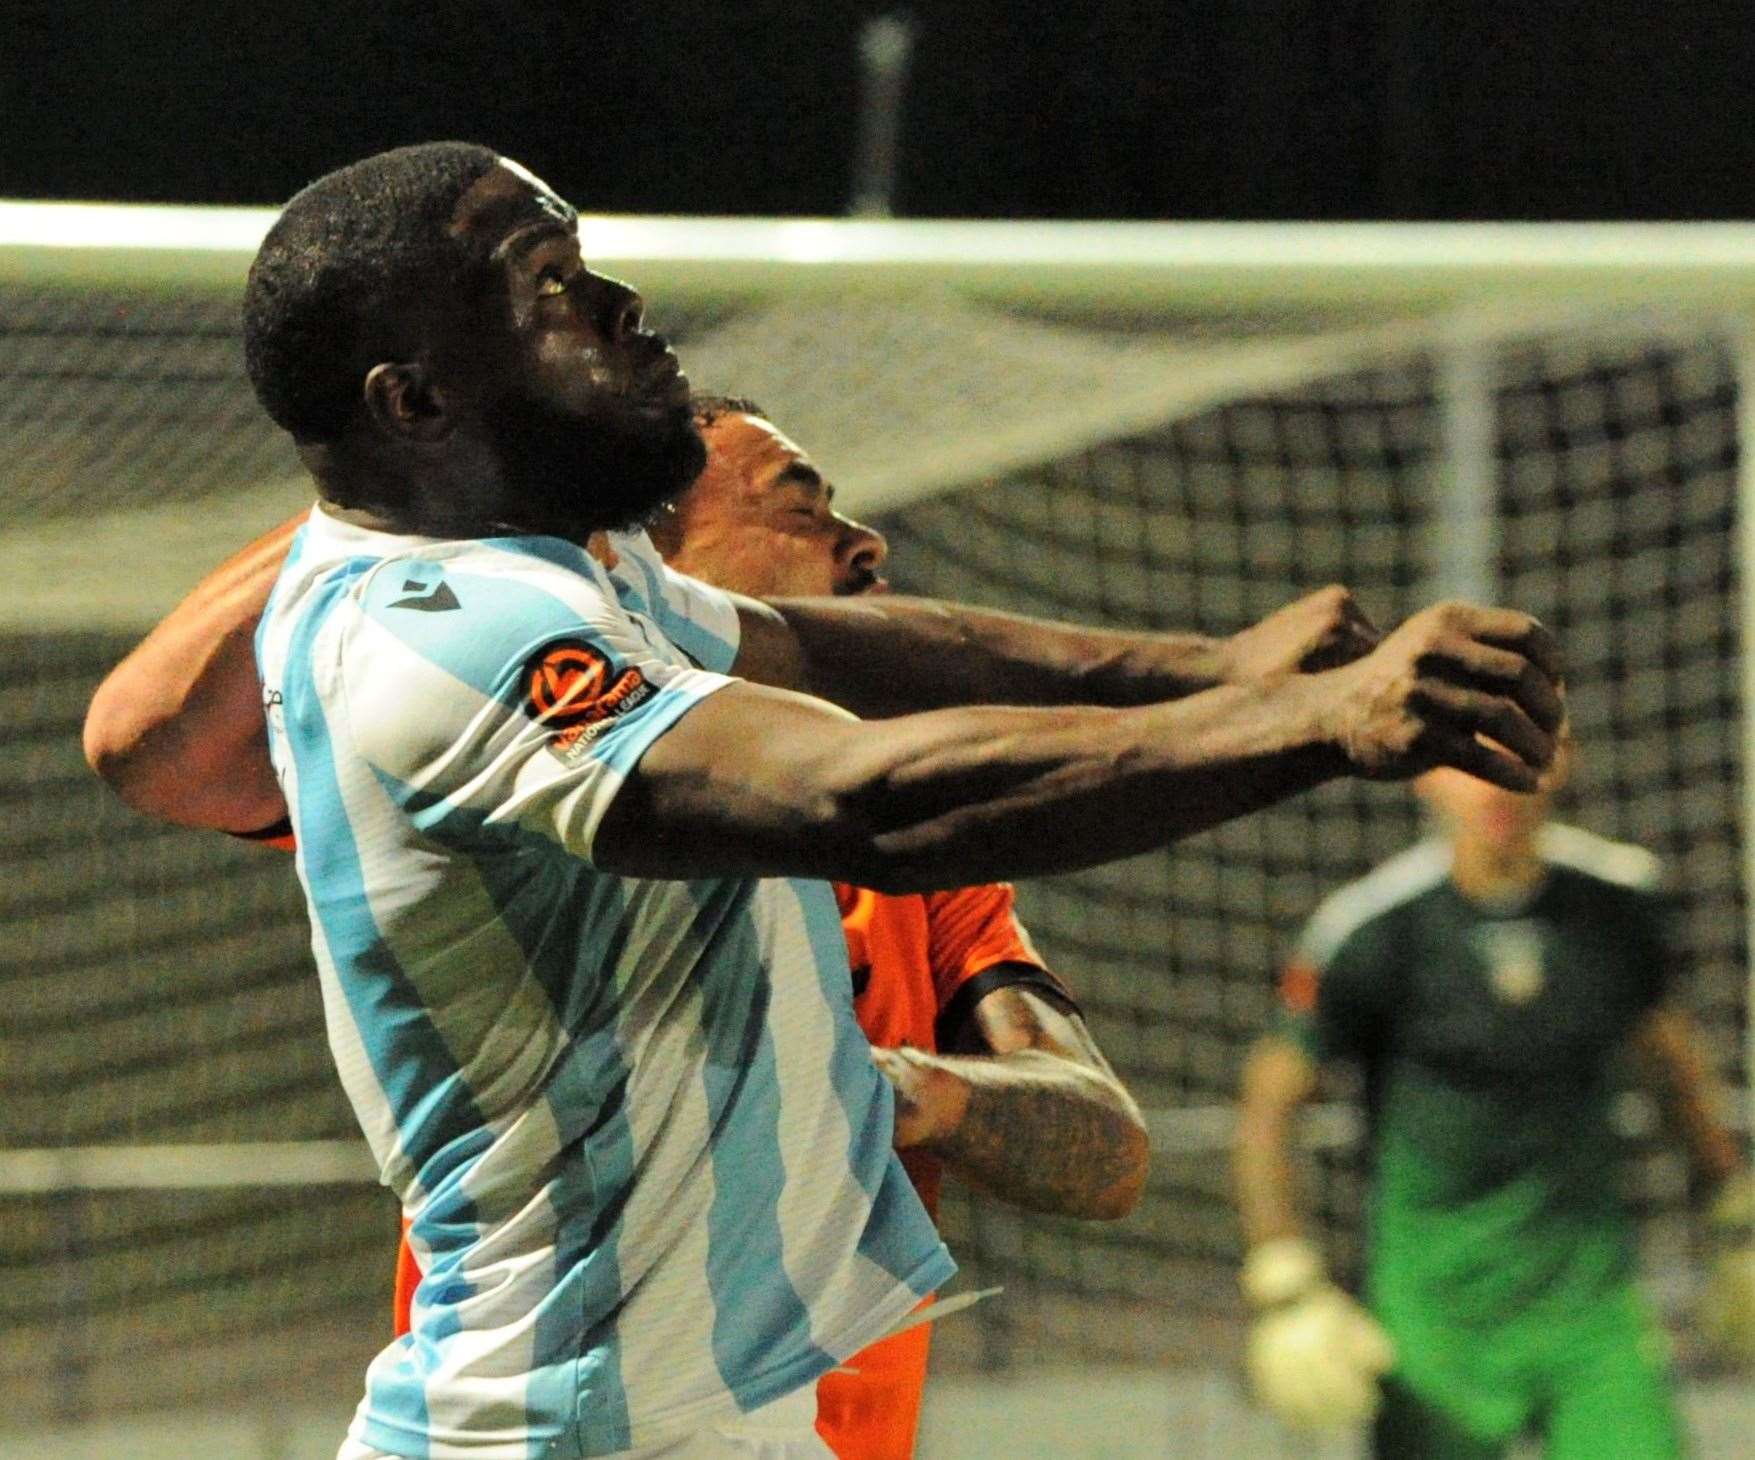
(1112,108)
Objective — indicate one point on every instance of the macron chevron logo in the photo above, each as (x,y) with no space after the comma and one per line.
(427,599)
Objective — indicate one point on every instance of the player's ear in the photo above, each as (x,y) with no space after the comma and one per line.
(403,401)
(666,527)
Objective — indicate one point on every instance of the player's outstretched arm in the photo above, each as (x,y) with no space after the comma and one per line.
(176,729)
(1671,1051)
(763,782)
(1036,1117)
(1278,1078)
(881,655)
(1673,1055)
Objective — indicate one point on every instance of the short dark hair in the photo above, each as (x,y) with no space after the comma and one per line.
(709,408)
(330,286)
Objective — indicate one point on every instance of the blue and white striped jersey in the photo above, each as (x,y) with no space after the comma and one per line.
(637,1131)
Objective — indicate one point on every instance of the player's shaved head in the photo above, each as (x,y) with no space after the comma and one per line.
(333,288)
(425,325)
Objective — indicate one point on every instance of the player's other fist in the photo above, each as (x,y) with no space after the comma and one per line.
(1321,630)
(1456,685)
(1314,1355)
(1727,1302)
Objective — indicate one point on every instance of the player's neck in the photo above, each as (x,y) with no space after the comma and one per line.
(1491,873)
(459,493)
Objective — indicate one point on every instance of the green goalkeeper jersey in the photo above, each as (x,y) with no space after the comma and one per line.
(1489,1039)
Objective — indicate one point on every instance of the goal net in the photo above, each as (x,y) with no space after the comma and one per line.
(1613,476)
(1151,427)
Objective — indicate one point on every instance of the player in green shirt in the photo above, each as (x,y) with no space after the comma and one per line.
(1488,984)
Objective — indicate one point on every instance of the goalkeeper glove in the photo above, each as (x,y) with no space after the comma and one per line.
(1314,1354)
(1727,1302)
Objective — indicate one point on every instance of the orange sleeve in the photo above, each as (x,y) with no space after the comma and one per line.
(407,1280)
(969,931)
(279,836)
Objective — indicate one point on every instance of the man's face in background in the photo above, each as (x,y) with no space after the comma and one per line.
(1469,809)
(759,520)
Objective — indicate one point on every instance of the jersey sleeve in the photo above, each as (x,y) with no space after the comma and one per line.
(1627,889)
(1332,995)
(698,618)
(525,703)
(975,945)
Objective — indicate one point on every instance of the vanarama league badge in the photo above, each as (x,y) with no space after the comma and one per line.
(574,690)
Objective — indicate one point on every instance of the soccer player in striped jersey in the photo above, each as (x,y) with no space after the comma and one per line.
(585,992)
(1488,983)
(1040,1118)
(1036,1117)
(1045,1125)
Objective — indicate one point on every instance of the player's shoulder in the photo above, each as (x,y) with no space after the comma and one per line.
(1365,903)
(498,593)
(448,580)
(444,622)
(1613,864)
(697,617)
(497,570)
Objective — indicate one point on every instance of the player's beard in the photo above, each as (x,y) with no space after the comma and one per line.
(573,475)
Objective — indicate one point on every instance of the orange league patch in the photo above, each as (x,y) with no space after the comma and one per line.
(564,681)
(573,688)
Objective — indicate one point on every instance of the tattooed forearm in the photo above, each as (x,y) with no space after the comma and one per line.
(1026,1109)
(1030,1127)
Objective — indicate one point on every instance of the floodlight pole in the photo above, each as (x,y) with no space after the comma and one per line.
(1464,531)
(1743,336)
(886,43)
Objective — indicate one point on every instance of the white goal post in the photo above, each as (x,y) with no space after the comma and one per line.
(1067,333)
(1227,268)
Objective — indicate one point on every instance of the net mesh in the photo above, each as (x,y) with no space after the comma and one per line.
(116,399)
(1616,466)
(1208,522)
(158,990)
(158,980)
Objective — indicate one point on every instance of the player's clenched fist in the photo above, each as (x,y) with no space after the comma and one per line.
(1439,688)
(1319,631)
(1314,1355)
